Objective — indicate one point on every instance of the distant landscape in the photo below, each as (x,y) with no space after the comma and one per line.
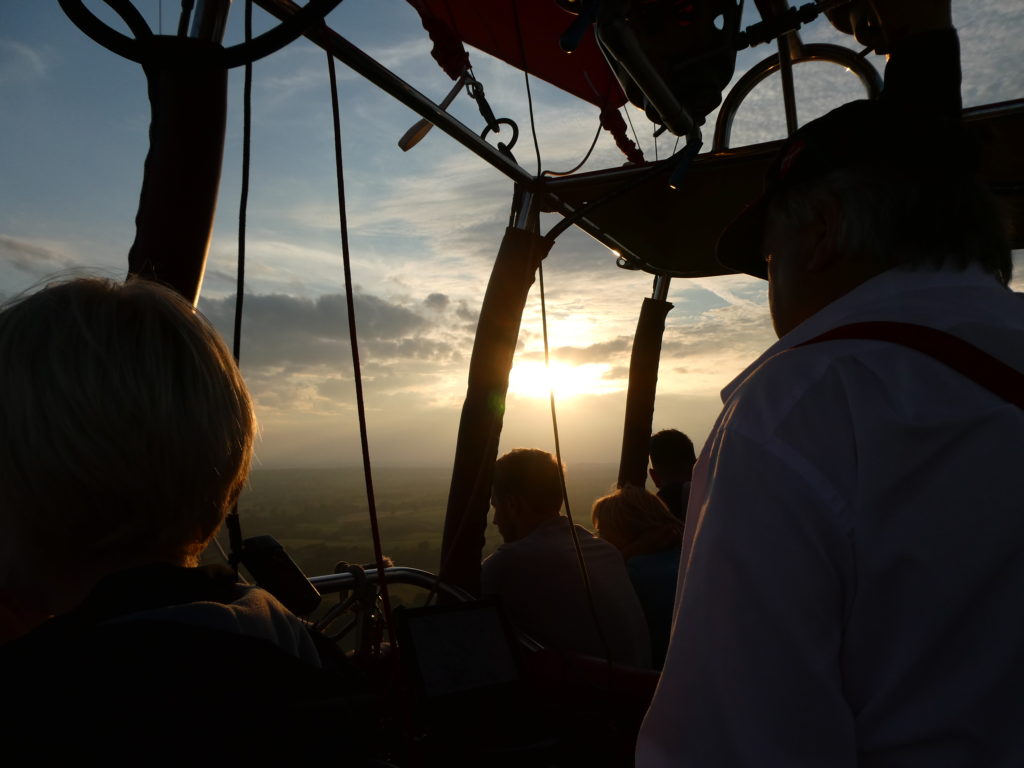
(321,517)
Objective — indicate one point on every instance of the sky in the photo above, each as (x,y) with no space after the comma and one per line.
(424,228)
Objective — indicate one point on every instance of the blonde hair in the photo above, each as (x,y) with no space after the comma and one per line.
(632,512)
(126,431)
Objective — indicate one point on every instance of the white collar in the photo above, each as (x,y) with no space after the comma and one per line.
(884,294)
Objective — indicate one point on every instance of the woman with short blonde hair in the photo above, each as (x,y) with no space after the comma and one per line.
(126,434)
(640,526)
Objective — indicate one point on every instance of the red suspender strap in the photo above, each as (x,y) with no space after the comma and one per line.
(980,367)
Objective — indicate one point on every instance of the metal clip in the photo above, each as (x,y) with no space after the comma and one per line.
(475,89)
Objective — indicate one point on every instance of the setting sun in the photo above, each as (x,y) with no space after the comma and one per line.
(531,379)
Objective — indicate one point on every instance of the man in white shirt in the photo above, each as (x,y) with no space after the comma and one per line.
(853,562)
(537,572)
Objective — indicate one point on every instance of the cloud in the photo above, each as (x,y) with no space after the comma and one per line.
(437,301)
(737,330)
(990,49)
(282,329)
(296,355)
(617,373)
(412,50)
(33,257)
(463,312)
(21,63)
(600,352)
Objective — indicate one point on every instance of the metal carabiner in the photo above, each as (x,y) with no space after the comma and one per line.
(515,133)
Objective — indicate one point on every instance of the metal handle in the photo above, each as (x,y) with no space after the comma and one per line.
(834,54)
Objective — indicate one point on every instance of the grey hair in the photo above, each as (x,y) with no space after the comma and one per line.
(898,219)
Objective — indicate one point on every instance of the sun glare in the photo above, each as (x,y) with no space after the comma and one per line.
(531,379)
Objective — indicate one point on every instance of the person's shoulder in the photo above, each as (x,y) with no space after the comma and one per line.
(594,543)
(494,567)
(602,555)
(779,384)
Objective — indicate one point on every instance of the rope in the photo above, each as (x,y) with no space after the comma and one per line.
(243,204)
(597,135)
(233,522)
(587,587)
(581,163)
(356,370)
(681,161)
(526,77)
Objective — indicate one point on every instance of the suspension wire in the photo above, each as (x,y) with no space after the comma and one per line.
(597,135)
(243,204)
(526,76)
(233,522)
(582,162)
(679,161)
(160,16)
(356,370)
(587,586)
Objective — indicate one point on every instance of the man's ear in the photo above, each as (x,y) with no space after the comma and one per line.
(823,238)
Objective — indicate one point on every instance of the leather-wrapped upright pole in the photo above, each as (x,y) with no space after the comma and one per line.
(188,95)
(643,385)
(483,411)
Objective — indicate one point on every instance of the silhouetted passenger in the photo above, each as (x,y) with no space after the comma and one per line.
(126,434)
(640,526)
(852,569)
(672,460)
(537,574)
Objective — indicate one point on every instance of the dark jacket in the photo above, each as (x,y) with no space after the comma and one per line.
(138,674)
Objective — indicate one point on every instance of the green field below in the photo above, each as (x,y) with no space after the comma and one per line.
(321,516)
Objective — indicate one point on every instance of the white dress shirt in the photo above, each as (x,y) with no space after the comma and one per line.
(851,591)
(539,580)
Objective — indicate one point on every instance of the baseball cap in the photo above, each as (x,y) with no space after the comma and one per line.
(860,134)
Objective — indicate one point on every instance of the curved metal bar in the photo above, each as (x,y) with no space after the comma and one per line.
(110,39)
(834,54)
(313,12)
(365,65)
(304,18)
(131,16)
(336,582)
